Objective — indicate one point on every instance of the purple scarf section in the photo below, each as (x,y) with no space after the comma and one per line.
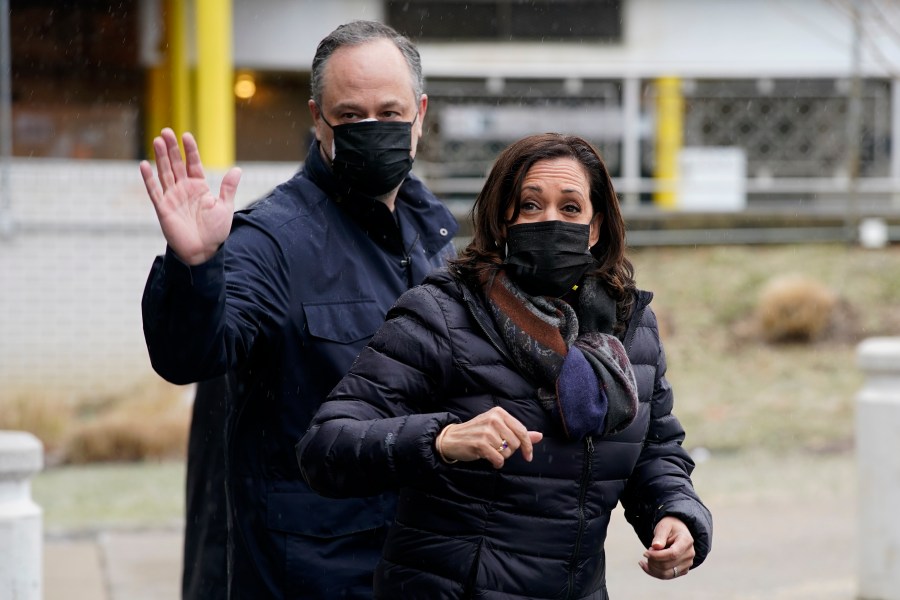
(586,380)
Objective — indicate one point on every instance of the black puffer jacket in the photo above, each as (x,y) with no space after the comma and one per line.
(466,530)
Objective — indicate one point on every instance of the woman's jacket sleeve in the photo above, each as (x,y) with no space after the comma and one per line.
(377,429)
(660,484)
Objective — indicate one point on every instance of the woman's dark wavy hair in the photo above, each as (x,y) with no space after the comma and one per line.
(502,191)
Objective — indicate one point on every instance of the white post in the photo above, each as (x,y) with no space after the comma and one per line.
(21,456)
(878,468)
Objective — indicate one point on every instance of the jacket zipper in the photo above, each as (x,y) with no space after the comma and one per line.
(582,494)
(406,263)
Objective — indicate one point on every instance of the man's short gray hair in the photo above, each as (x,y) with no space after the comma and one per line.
(360,32)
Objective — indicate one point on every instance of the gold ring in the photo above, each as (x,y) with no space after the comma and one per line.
(503,445)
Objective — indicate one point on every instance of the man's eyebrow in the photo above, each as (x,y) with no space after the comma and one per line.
(343,106)
(346,105)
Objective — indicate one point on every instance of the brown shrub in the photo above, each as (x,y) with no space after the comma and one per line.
(118,438)
(47,418)
(794,308)
(148,422)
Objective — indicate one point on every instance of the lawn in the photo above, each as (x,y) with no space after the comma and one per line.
(735,392)
(737,396)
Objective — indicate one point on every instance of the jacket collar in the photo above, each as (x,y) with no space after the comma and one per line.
(430,218)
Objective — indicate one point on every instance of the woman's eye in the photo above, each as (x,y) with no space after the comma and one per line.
(572,208)
(527,205)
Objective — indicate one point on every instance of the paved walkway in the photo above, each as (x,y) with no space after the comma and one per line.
(792,539)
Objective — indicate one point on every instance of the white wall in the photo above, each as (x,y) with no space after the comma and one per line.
(284,34)
(72,275)
(692,38)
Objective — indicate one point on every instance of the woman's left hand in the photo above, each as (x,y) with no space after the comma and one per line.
(671,554)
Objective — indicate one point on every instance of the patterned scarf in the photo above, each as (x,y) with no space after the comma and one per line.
(585,378)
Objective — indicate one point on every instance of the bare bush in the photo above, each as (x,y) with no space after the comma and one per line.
(120,438)
(47,418)
(794,308)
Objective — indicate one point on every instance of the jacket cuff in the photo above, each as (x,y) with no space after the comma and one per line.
(207,275)
(698,520)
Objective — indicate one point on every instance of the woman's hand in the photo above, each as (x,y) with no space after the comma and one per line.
(672,552)
(494,435)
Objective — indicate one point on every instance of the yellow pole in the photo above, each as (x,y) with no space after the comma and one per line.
(669,139)
(157,113)
(215,97)
(179,73)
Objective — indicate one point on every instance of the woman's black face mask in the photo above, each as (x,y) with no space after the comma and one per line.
(547,258)
(371,158)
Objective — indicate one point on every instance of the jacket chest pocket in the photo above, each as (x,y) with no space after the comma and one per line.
(335,334)
(343,322)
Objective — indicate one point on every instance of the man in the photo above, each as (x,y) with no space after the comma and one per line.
(286,301)
(204,572)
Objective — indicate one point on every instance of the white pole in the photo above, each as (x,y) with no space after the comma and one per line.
(878,468)
(21,531)
(631,140)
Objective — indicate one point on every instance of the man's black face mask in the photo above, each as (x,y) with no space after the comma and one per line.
(371,158)
(549,257)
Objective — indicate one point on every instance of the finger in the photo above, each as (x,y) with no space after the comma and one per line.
(163,166)
(659,570)
(523,440)
(661,535)
(192,156)
(229,185)
(495,458)
(150,182)
(174,154)
(516,434)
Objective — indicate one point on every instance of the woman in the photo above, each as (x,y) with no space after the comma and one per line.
(515,399)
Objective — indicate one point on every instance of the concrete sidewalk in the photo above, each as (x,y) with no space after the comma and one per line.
(783,531)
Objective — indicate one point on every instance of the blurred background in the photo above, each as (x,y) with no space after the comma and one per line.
(753,144)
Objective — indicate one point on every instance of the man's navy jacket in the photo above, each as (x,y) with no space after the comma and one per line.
(302,283)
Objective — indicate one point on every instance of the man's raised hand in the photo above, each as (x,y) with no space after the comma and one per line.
(194,222)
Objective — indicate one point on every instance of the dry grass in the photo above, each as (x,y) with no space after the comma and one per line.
(146,422)
(46,418)
(735,391)
(150,421)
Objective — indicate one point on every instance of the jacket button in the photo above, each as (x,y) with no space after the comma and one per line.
(443,231)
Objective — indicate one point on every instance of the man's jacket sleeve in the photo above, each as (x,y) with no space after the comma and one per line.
(202,321)
(378,427)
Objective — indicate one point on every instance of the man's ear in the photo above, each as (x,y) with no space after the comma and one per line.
(316,117)
(423,108)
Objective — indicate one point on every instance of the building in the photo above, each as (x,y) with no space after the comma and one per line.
(692,102)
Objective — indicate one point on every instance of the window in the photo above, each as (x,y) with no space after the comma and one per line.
(507,20)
